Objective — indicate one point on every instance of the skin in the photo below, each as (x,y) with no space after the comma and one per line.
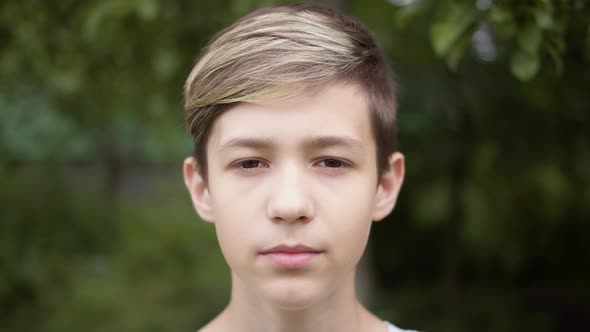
(299,172)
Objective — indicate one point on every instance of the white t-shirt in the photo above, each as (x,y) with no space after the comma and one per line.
(393,328)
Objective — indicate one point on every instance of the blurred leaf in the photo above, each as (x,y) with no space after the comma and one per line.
(503,20)
(148,9)
(458,49)
(556,57)
(166,63)
(530,38)
(524,65)
(99,12)
(558,42)
(432,204)
(448,28)
(500,14)
(406,14)
(544,18)
(553,188)
(480,228)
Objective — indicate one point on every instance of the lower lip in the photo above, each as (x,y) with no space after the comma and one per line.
(291,260)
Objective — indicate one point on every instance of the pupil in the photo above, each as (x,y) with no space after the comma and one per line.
(250,163)
(333,163)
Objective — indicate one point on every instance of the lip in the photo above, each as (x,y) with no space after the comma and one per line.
(283,248)
(286,256)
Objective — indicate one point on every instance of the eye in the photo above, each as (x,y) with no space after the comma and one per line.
(333,163)
(249,164)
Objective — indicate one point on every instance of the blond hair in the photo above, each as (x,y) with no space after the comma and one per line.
(281,52)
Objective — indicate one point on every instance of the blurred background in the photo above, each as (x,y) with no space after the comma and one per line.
(492,227)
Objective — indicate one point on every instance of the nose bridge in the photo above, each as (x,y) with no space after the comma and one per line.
(289,199)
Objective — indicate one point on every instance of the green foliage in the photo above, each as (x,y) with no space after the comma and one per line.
(96,232)
(167,273)
(497,174)
(73,263)
(530,30)
(45,233)
(451,32)
(34,130)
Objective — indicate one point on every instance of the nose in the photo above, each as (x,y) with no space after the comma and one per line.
(290,200)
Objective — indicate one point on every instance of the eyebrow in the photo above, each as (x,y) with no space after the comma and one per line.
(316,142)
(246,142)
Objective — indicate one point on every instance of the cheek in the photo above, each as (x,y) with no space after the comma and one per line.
(234,220)
(350,221)
(236,237)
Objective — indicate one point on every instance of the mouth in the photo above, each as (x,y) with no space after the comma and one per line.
(291,257)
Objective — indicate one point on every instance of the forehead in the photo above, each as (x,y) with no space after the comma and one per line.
(337,110)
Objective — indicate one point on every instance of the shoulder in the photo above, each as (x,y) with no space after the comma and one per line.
(393,328)
(215,325)
(209,328)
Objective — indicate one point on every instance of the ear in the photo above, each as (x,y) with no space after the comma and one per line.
(198,189)
(389,186)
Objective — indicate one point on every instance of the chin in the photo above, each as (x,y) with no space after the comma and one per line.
(293,303)
(295,295)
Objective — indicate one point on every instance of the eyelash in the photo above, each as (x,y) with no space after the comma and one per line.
(238,164)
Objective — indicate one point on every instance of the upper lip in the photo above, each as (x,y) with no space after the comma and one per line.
(290,249)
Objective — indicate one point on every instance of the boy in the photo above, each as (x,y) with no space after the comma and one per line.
(293,114)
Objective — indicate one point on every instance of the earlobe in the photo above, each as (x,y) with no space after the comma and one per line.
(197,189)
(389,186)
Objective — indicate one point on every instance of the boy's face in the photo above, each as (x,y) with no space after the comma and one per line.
(294,173)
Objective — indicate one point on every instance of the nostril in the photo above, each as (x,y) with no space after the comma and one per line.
(303,219)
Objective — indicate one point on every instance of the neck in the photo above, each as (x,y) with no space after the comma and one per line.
(338,311)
